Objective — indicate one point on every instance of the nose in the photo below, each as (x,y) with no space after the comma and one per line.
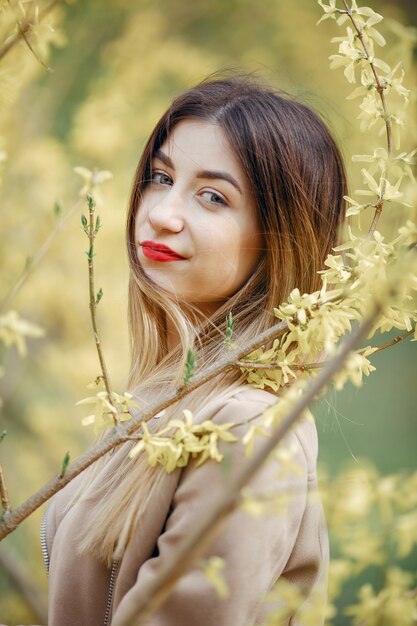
(166,214)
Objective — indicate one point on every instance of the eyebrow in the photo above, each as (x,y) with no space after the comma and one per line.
(210,174)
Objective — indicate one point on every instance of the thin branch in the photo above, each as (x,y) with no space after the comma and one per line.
(153,594)
(120,433)
(91,232)
(302,367)
(38,256)
(3,494)
(26,39)
(393,342)
(380,90)
(24,28)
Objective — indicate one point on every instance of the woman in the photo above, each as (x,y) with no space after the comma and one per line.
(237,199)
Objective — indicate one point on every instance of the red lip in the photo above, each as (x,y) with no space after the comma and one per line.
(159,252)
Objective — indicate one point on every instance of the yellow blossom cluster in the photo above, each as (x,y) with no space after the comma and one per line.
(369,268)
(180,440)
(372,522)
(105,411)
(316,321)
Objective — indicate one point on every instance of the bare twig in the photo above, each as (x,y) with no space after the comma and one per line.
(24,28)
(380,90)
(393,342)
(3,493)
(270,366)
(38,256)
(194,544)
(23,34)
(91,230)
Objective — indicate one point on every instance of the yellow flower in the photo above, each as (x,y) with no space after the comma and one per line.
(367,84)
(92,179)
(14,329)
(330,10)
(105,411)
(371,111)
(338,271)
(404,162)
(188,439)
(212,570)
(249,438)
(390,193)
(349,55)
(368,27)
(389,82)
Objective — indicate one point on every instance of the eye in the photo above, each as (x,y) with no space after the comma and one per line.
(214,198)
(160,178)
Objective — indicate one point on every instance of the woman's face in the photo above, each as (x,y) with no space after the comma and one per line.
(198,204)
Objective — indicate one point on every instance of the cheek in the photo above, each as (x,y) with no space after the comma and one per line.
(139,220)
(225,254)
(221,240)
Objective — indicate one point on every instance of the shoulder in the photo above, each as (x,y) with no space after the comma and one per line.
(243,403)
(245,406)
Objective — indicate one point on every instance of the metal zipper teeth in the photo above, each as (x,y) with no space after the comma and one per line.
(113,574)
(44,546)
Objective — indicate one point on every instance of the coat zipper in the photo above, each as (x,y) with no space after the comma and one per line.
(44,546)
(113,575)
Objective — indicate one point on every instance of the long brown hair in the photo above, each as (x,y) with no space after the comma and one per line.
(296,174)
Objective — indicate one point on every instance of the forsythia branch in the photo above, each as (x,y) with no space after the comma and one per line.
(270,366)
(24,28)
(120,433)
(38,256)
(154,594)
(91,232)
(380,90)
(302,367)
(394,341)
(23,33)
(3,493)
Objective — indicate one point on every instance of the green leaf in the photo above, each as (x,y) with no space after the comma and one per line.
(84,221)
(98,224)
(90,254)
(99,295)
(91,202)
(28,262)
(65,463)
(189,365)
(229,328)
(57,208)
(2,435)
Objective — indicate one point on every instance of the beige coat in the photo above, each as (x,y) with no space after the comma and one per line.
(257,549)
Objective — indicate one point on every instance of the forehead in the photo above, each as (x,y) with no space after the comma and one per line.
(201,144)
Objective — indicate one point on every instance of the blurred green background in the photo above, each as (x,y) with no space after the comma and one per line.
(116,66)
